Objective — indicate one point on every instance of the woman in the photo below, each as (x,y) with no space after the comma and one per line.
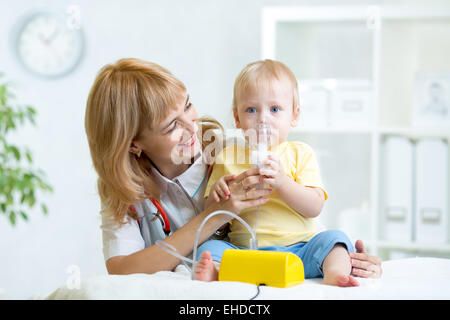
(143,134)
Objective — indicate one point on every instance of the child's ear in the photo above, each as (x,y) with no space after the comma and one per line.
(236,119)
(295,116)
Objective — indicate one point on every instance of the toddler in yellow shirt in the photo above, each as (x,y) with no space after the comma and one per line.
(266,92)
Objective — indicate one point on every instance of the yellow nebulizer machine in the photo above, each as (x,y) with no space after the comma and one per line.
(270,268)
(259,267)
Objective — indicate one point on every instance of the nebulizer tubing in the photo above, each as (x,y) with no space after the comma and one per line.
(173,251)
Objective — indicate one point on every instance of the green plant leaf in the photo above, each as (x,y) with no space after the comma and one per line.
(16,152)
(44,208)
(23,215)
(12,218)
(3,94)
(28,155)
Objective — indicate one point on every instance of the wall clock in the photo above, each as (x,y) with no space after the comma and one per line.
(47,46)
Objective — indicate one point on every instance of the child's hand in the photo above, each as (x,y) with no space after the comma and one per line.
(273,172)
(220,189)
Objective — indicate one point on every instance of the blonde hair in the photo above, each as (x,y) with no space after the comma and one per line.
(126,98)
(261,73)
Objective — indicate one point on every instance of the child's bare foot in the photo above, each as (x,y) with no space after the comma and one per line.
(205,268)
(340,280)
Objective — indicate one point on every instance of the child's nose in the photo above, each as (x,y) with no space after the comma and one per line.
(262,117)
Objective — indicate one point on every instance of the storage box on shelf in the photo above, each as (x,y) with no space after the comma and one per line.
(431,192)
(396,190)
(333,103)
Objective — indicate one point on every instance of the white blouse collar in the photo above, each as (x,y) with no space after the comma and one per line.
(191,179)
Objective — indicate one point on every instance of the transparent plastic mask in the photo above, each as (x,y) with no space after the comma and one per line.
(259,145)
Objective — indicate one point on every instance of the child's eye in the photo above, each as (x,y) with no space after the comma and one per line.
(251,110)
(275,109)
(188,106)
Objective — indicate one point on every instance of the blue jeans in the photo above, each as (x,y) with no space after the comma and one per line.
(312,253)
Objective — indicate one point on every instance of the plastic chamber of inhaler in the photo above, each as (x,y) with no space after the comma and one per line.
(259,145)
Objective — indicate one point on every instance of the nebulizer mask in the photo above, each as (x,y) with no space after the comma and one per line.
(259,143)
(260,267)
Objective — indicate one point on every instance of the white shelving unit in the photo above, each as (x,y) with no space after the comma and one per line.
(382,46)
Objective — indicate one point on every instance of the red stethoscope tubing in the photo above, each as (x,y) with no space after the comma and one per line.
(163,215)
(161,211)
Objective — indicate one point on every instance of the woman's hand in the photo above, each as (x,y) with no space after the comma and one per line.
(365,265)
(241,195)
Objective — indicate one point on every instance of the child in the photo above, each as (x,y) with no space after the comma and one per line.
(266,92)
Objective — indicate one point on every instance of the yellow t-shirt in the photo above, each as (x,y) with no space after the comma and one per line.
(277,224)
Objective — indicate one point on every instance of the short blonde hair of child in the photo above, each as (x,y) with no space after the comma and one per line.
(260,74)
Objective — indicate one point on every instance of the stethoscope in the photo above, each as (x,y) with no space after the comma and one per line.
(160,214)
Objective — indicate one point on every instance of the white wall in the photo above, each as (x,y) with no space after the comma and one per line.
(203,42)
